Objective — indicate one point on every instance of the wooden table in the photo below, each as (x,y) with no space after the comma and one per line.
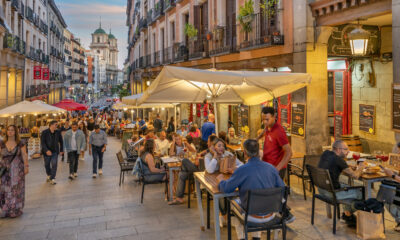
(176,165)
(210,182)
(235,148)
(368,179)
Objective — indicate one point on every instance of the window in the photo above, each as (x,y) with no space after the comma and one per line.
(173,32)
(98,39)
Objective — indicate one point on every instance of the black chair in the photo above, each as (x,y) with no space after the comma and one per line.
(386,195)
(301,172)
(144,178)
(260,202)
(124,165)
(321,178)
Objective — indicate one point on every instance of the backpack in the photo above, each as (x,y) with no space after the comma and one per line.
(137,169)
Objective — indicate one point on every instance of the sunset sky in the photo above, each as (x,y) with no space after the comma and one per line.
(83,17)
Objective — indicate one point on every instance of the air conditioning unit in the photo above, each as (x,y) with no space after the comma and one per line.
(386,42)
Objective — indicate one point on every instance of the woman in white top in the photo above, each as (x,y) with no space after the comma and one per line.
(218,152)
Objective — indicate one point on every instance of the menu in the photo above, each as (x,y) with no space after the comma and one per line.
(284,118)
(298,118)
(367,118)
(338,126)
(396,107)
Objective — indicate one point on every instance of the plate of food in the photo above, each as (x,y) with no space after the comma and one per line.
(372,169)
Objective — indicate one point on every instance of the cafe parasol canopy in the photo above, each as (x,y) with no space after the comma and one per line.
(27,107)
(70,105)
(189,85)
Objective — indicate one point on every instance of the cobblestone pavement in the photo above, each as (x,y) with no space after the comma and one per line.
(88,208)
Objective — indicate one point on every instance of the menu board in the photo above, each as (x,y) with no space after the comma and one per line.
(367,118)
(396,107)
(298,119)
(284,118)
(338,126)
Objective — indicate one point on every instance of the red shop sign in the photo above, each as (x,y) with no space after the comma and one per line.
(37,72)
(46,74)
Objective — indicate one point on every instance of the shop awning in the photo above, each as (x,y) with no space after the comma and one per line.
(70,105)
(189,85)
(27,107)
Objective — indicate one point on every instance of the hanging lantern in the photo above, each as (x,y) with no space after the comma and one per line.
(359,41)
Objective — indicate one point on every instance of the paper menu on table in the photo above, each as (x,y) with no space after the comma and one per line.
(170,159)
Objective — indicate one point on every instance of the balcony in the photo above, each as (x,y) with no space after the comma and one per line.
(15,4)
(14,43)
(181,52)
(198,48)
(158,10)
(29,14)
(37,90)
(167,55)
(150,17)
(142,23)
(223,40)
(156,58)
(263,33)
(21,11)
(168,4)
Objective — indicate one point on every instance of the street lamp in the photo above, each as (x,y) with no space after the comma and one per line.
(359,41)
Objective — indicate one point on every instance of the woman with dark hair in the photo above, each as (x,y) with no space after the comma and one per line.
(171,126)
(149,165)
(15,162)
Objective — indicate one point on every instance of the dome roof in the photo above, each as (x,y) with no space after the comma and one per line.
(111,36)
(100,31)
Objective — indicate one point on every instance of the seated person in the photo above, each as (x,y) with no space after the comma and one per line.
(194,132)
(189,140)
(132,151)
(233,139)
(182,131)
(396,148)
(335,163)
(255,174)
(178,146)
(150,133)
(392,208)
(147,158)
(162,144)
(216,154)
(210,140)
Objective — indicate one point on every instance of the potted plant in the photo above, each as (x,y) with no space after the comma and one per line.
(209,36)
(268,7)
(191,31)
(245,17)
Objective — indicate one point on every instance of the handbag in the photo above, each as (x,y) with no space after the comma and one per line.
(3,170)
(369,225)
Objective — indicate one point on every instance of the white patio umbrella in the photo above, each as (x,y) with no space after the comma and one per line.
(27,107)
(189,85)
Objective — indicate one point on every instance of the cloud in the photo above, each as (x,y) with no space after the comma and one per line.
(98,9)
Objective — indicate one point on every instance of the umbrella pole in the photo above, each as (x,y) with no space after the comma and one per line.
(216,117)
(175,119)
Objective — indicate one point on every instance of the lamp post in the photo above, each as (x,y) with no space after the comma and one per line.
(359,41)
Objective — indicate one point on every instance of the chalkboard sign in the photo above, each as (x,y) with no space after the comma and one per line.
(338,126)
(396,107)
(298,119)
(284,118)
(367,118)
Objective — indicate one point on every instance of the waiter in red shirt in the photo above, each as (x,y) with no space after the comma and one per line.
(276,149)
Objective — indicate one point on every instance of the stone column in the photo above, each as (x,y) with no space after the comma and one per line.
(11,87)
(3,87)
(396,46)
(20,89)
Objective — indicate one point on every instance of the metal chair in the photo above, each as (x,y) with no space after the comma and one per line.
(321,178)
(124,166)
(260,202)
(386,195)
(301,172)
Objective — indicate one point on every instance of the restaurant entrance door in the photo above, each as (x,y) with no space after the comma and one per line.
(339,97)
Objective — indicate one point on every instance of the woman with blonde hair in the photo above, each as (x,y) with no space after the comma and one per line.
(13,168)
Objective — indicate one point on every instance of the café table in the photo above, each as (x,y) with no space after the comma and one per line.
(210,182)
(172,163)
(367,179)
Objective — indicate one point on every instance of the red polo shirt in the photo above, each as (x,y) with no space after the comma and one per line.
(275,139)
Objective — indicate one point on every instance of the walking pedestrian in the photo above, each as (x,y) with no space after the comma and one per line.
(52,145)
(158,124)
(83,128)
(15,162)
(75,144)
(64,129)
(98,143)
(207,129)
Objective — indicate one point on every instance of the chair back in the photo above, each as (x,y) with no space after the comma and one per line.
(320,178)
(120,157)
(386,193)
(312,160)
(265,201)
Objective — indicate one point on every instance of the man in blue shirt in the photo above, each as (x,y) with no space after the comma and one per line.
(142,126)
(255,174)
(207,129)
